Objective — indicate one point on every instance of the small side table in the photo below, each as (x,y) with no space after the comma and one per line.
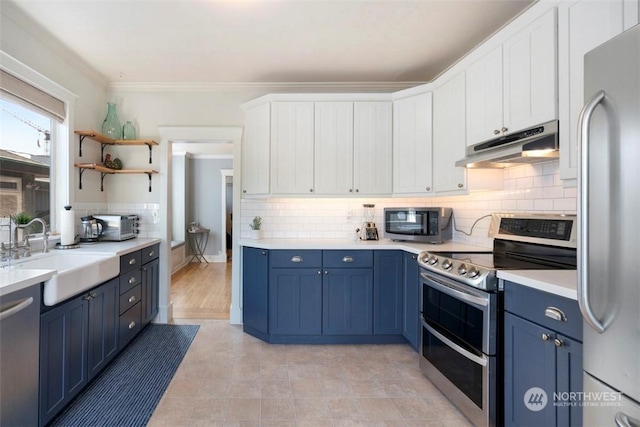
(198,239)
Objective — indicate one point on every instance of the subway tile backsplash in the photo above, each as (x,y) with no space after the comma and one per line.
(148,225)
(527,188)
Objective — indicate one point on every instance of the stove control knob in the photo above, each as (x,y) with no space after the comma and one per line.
(446,264)
(462,269)
(473,272)
(433,260)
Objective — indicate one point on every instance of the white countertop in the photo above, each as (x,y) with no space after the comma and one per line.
(12,280)
(559,282)
(382,244)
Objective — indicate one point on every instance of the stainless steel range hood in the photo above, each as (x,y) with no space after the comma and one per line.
(536,144)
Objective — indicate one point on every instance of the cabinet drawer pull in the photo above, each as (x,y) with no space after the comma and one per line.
(546,337)
(558,343)
(347,259)
(132,261)
(132,299)
(132,280)
(132,324)
(296,258)
(152,253)
(555,314)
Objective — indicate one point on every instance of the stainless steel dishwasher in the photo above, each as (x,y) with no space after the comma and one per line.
(19,357)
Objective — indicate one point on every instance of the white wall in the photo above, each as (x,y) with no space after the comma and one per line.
(528,188)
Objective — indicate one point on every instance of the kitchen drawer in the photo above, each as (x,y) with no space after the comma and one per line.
(130,324)
(347,259)
(130,298)
(531,304)
(130,261)
(150,253)
(295,259)
(129,280)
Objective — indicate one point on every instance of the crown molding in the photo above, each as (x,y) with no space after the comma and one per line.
(258,86)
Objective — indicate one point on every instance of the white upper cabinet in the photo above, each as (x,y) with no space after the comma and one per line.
(412,144)
(372,148)
(484,98)
(292,137)
(514,86)
(530,74)
(583,25)
(255,151)
(333,148)
(449,136)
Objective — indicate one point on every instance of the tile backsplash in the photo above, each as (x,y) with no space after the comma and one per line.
(528,188)
(148,225)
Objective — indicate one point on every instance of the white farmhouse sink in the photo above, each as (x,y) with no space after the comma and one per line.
(75,273)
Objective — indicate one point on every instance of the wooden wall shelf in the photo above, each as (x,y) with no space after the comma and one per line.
(104,140)
(104,171)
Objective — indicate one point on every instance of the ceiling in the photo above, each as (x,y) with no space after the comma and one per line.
(216,41)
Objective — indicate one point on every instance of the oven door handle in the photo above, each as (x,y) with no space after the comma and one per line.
(482,361)
(454,290)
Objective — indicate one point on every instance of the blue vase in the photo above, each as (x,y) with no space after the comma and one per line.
(111,125)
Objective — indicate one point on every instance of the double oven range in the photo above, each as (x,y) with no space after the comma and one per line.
(462,303)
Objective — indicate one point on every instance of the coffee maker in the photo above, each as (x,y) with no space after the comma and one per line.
(369,230)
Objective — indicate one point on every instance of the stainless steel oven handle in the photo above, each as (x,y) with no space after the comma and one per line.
(454,289)
(479,360)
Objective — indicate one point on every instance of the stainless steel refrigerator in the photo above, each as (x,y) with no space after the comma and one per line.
(609,239)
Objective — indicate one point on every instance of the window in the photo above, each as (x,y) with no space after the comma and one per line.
(26,147)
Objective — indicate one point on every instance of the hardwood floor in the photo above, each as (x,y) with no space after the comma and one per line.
(202,291)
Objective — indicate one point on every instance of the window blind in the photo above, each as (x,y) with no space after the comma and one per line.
(17,89)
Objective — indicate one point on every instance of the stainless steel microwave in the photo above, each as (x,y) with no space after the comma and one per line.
(118,227)
(427,225)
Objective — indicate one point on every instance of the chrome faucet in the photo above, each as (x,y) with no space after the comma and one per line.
(45,235)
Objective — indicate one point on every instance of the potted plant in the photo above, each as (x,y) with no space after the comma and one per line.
(20,220)
(255,232)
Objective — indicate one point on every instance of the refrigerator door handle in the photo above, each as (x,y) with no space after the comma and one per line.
(623,420)
(584,122)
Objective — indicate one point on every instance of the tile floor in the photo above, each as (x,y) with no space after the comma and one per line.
(229,378)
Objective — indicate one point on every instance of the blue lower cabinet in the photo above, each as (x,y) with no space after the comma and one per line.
(295,301)
(150,290)
(63,355)
(255,296)
(347,296)
(411,299)
(387,293)
(103,327)
(542,352)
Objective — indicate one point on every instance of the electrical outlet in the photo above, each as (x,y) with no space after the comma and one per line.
(156,216)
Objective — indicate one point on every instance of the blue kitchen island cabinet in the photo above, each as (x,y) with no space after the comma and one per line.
(255,297)
(411,299)
(543,353)
(387,292)
(78,338)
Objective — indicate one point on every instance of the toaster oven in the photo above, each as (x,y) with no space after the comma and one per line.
(118,227)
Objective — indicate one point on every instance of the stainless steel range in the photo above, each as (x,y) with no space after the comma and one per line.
(461,307)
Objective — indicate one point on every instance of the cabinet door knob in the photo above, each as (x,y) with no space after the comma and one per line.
(357,190)
(132,325)
(132,299)
(311,190)
(244,191)
(132,261)
(558,343)
(319,272)
(326,272)
(351,190)
(496,131)
(132,280)
(152,253)
(504,129)
(296,258)
(428,188)
(263,253)
(555,314)
(546,337)
(414,256)
(460,185)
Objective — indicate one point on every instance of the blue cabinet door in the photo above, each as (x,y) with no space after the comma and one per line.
(63,355)
(569,379)
(530,361)
(347,297)
(150,290)
(387,292)
(255,276)
(411,300)
(102,342)
(295,301)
